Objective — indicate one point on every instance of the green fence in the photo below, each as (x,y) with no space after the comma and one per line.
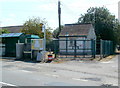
(106,48)
(75,48)
(82,48)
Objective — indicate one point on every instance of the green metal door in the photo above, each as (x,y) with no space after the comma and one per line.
(11,47)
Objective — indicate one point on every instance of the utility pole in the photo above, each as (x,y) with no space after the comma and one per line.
(119,11)
(59,15)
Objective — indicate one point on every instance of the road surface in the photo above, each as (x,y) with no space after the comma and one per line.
(70,73)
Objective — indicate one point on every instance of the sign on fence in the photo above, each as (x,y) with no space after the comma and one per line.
(37,44)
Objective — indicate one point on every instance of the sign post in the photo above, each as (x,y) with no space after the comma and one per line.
(43,30)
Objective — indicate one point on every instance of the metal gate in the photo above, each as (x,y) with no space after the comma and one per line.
(75,48)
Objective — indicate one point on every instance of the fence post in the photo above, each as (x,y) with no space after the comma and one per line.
(101,48)
(111,50)
(95,47)
(75,49)
(106,48)
(55,48)
(84,43)
(92,46)
(66,46)
(109,47)
(93,43)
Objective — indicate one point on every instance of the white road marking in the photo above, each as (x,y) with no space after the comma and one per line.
(55,75)
(7,84)
(108,62)
(25,71)
(75,79)
(79,79)
(52,75)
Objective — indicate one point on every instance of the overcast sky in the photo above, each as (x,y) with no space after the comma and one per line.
(16,12)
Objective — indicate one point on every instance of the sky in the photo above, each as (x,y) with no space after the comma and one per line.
(16,12)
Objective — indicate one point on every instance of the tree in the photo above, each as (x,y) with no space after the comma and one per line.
(32,26)
(102,20)
(56,32)
(4,31)
(117,31)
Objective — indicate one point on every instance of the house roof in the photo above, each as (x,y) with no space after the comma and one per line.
(13,29)
(76,30)
(10,35)
(33,36)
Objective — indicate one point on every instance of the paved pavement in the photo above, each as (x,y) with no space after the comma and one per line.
(70,73)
